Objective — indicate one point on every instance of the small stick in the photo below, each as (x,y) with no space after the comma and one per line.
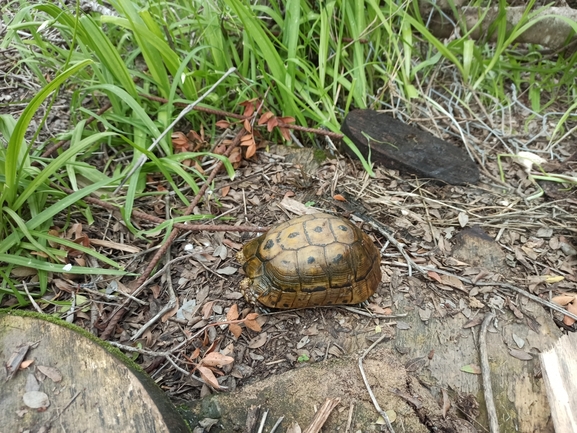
(181,226)
(368,386)
(486,375)
(350,419)
(322,415)
(262,422)
(32,301)
(276,424)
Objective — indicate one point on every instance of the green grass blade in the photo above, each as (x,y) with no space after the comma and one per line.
(16,142)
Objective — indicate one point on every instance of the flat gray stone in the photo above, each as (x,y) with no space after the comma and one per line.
(408,149)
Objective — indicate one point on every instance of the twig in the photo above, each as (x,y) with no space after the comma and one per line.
(368,386)
(486,375)
(276,424)
(32,301)
(172,302)
(166,355)
(322,415)
(262,422)
(350,418)
(173,235)
(158,220)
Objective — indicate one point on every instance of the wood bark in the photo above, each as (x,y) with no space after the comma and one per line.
(559,366)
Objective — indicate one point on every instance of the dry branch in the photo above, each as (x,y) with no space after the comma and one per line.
(322,415)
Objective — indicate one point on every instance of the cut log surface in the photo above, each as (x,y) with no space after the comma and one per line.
(72,382)
(402,147)
(559,366)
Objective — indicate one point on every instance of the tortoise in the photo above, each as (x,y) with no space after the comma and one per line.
(311,260)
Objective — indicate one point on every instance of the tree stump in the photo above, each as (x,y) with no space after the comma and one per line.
(59,376)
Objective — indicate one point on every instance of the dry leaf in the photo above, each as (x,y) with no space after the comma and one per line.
(26,364)
(232,313)
(294,428)
(208,376)
(265,117)
(207,310)
(258,341)
(180,142)
(170,313)
(63,285)
(250,322)
(195,354)
(572,308)
(271,124)
(446,402)
(223,124)
(247,126)
(449,280)
(563,300)
(115,246)
(379,310)
(23,271)
(228,270)
(339,197)
(235,329)
(433,275)
(520,354)
(215,359)
(50,372)
(224,191)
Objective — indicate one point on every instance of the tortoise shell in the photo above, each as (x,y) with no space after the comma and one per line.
(312,260)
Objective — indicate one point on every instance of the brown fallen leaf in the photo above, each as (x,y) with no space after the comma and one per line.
(433,275)
(235,329)
(208,376)
(572,308)
(258,341)
(207,310)
(51,372)
(565,299)
(25,364)
(520,354)
(216,359)
(115,246)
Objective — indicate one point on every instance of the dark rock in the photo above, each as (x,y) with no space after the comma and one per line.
(408,149)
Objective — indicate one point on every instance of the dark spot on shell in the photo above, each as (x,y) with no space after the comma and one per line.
(293,235)
(310,260)
(318,229)
(343,228)
(285,305)
(315,289)
(337,259)
(269,244)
